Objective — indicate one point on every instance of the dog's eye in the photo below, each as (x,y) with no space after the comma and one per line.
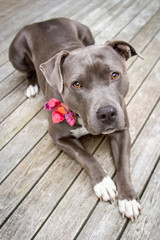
(77,84)
(115,76)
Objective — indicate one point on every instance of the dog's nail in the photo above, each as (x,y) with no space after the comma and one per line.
(101,199)
(122,214)
(139,211)
(132,218)
(112,200)
(116,194)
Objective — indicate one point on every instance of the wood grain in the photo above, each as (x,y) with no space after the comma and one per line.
(18,119)
(149,226)
(119,23)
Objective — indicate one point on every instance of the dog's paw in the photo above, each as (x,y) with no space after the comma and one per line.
(129,208)
(106,190)
(31,91)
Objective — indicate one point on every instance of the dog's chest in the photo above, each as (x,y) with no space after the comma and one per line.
(80,131)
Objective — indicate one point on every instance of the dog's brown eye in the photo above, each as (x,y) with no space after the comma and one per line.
(115,76)
(77,84)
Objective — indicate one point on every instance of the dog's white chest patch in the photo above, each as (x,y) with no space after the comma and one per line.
(79,132)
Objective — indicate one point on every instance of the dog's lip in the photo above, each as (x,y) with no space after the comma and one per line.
(112,130)
(109,130)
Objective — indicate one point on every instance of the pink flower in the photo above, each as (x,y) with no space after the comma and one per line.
(54,102)
(70,118)
(60,112)
(57,117)
(47,107)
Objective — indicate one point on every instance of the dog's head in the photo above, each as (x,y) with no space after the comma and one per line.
(93,83)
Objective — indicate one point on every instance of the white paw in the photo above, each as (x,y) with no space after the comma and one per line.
(129,208)
(106,189)
(31,91)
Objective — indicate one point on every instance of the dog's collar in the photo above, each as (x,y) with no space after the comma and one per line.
(60,112)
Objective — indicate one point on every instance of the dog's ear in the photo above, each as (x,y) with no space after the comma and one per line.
(52,70)
(125,49)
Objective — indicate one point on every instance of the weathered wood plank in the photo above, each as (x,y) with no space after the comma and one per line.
(5,70)
(43,190)
(33,166)
(20,21)
(149,225)
(140,69)
(111,11)
(10,83)
(119,23)
(5,44)
(30,170)
(89,7)
(18,119)
(13,8)
(22,143)
(106,222)
(4,5)
(23,19)
(3,57)
(145,35)
(109,16)
(101,10)
(55,13)
(142,103)
(104,5)
(139,21)
(11,102)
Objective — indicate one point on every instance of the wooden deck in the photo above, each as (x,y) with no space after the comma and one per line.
(44,193)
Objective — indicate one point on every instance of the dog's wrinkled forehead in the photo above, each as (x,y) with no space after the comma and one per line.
(94,59)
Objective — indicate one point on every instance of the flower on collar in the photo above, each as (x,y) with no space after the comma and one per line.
(60,112)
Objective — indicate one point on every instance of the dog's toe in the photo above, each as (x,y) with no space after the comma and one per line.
(129,208)
(31,91)
(106,189)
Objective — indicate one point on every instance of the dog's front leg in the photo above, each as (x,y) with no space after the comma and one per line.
(103,185)
(128,200)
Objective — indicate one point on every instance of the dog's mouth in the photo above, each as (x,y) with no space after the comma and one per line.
(105,132)
(109,131)
(112,130)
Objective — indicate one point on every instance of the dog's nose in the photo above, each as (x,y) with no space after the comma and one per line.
(107,114)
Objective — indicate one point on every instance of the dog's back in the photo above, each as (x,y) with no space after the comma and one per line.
(38,42)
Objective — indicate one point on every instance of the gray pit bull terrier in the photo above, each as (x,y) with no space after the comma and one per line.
(92,81)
